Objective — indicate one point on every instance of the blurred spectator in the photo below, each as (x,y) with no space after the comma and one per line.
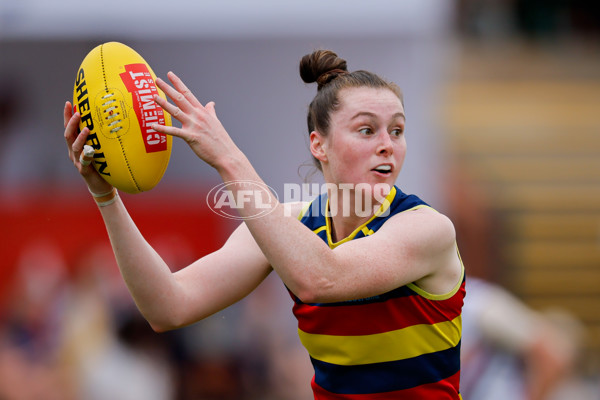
(74,333)
(30,366)
(109,351)
(509,351)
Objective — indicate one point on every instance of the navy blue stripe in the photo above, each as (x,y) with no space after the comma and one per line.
(387,376)
(402,291)
(322,235)
(401,202)
(315,214)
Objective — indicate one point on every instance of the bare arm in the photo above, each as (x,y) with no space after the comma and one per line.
(412,247)
(165,299)
(172,300)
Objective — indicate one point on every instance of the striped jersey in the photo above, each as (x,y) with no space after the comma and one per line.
(403,344)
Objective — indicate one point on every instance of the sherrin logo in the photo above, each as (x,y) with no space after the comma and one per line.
(226,199)
(82,105)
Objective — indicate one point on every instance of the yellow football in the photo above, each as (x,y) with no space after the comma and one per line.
(113,92)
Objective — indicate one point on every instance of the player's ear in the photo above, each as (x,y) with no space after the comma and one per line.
(317,146)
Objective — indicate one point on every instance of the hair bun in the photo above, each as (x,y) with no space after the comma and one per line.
(321,66)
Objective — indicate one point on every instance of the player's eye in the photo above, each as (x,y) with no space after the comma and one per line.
(396,132)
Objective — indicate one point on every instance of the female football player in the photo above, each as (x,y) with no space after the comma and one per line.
(377,294)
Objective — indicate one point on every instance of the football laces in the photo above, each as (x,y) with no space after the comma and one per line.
(109,106)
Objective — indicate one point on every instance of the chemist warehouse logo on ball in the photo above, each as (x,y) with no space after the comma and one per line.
(139,82)
(226,199)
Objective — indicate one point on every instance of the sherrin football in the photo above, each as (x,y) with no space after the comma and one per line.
(113,92)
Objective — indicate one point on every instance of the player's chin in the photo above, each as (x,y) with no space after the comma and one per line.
(375,188)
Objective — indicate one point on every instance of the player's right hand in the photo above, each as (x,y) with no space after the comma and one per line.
(75,142)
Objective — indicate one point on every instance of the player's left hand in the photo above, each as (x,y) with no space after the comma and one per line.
(201,129)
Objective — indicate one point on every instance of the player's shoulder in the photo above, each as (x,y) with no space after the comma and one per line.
(422,223)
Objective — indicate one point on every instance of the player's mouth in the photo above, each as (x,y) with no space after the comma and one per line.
(383,169)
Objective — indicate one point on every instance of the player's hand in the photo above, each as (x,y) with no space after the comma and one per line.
(75,143)
(201,128)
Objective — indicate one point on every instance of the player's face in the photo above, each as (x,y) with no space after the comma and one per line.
(366,141)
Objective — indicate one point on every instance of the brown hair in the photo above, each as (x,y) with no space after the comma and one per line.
(330,72)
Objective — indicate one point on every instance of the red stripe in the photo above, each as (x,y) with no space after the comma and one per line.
(377,317)
(446,389)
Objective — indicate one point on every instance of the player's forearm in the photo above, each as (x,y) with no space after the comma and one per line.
(146,275)
(281,237)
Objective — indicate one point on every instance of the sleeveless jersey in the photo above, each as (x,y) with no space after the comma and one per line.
(403,344)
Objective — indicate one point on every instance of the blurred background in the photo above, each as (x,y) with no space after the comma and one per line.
(503,136)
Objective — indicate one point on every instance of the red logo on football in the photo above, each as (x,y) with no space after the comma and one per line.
(138,81)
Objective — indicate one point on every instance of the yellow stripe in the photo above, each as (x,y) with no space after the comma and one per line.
(305,208)
(384,206)
(366,231)
(382,347)
(319,229)
(419,207)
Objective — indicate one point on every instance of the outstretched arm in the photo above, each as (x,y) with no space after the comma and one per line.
(415,247)
(169,300)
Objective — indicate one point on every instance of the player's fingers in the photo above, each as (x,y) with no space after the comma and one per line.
(67,113)
(178,98)
(168,130)
(87,155)
(183,89)
(71,128)
(210,107)
(172,109)
(79,142)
